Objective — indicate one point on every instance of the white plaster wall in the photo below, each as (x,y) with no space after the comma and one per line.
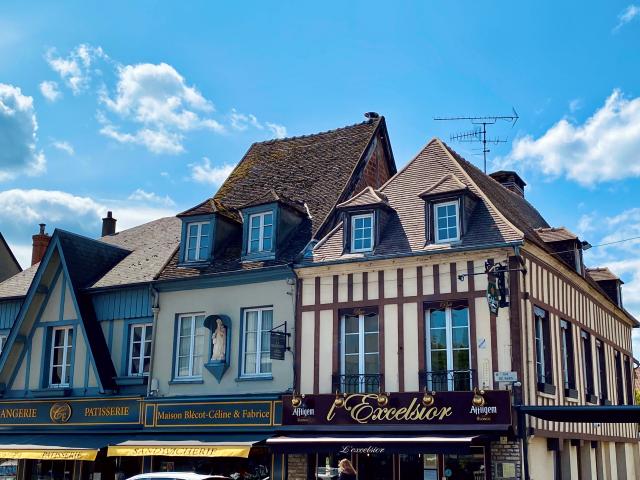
(357,287)
(372,280)
(540,459)
(69,307)
(503,340)
(307,353)
(411,356)
(229,301)
(391,283)
(445,278)
(410,281)
(308,291)
(51,312)
(483,339)
(326,351)
(391,348)
(80,359)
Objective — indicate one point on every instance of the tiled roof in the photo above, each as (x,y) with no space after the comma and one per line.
(271,196)
(209,206)
(312,169)
(556,234)
(600,274)
(151,246)
(405,229)
(368,196)
(448,183)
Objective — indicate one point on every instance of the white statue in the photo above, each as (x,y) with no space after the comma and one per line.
(219,340)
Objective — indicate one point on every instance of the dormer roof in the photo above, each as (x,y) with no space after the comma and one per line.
(602,274)
(367,197)
(556,234)
(271,196)
(447,184)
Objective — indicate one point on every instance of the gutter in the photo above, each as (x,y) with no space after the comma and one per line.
(155,308)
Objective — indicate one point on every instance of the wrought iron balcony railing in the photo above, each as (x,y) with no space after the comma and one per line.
(369,383)
(451,380)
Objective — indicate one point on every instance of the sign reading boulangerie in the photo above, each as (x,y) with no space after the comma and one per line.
(443,408)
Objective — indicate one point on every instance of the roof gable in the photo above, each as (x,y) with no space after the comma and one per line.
(448,183)
(9,265)
(368,196)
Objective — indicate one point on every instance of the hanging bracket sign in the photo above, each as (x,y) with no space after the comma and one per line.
(493,294)
(278,342)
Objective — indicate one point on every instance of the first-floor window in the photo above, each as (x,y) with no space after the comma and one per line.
(543,347)
(627,379)
(60,361)
(448,349)
(190,346)
(256,348)
(587,361)
(568,369)
(619,379)
(140,349)
(360,353)
(602,371)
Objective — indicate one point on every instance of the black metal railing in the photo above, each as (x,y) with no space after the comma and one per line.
(369,383)
(451,380)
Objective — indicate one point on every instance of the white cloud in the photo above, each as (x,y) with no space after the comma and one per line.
(605,147)
(64,146)
(49,90)
(242,121)
(18,124)
(280,131)
(156,141)
(575,105)
(627,15)
(140,194)
(77,68)
(206,173)
(586,223)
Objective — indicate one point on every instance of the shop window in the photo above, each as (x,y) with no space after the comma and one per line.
(61,357)
(544,363)
(465,466)
(260,232)
(448,349)
(362,233)
(256,345)
(602,373)
(568,362)
(446,226)
(190,346)
(139,349)
(619,379)
(360,353)
(198,240)
(587,361)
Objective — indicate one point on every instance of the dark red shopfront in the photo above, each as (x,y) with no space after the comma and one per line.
(399,436)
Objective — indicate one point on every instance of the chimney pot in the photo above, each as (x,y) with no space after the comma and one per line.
(40,243)
(108,225)
(510,180)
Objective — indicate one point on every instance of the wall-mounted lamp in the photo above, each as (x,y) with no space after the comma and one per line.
(478,399)
(428,398)
(296,400)
(383,399)
(338,402)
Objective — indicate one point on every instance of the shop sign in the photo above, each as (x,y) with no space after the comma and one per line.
(214,414)
(443,408)
(81,412)
(505,377)
(277,345)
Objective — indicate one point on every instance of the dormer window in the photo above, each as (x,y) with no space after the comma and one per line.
(362,232)
(446,220)
(198,241)
(260,232)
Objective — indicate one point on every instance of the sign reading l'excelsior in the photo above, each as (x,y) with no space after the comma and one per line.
(447,408)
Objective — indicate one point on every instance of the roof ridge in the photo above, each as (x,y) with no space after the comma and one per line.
(62,231)
(324,132)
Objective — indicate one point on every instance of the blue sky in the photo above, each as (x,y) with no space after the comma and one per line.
(86,125)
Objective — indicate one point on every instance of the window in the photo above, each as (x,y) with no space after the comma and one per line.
(256,347)
(619,379)
(197,241)
(448,349)
(360,352)
(60,361)
(544,364)
(362,233)
(587,361)
(190,346)
(602,372)
(568,365)
(139,349)
(260,232)
(3,342)
(627,379)
(446,222)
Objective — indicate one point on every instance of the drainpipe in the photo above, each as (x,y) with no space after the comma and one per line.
(155,308)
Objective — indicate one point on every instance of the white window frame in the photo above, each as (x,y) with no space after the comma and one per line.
(198,242)
(353,232)
(259,331)
(362,354)
(67,349)
(143,340)
(449,333)
(261,227)
(541,375)
(192,346)
(437,238)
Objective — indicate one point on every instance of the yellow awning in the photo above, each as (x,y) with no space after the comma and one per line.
(178,451)
(48,453)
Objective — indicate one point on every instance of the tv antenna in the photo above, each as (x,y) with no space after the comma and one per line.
(479,134)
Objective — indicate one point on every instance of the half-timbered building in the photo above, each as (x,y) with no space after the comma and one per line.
(434,305)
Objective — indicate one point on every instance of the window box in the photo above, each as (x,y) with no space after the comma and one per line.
(547,388)
(591,398)
(571,393)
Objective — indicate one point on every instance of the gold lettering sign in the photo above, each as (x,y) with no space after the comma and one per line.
(106,411)
(363,408)
(60,412)
(18,413)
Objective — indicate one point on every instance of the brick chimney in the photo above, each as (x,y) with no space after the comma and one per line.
(40,243)
(510,180)
(108,225)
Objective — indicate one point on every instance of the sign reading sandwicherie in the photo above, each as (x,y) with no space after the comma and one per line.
(443,408)
(122,411)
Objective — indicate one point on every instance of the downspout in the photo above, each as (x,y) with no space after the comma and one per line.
(294,302)
(155,308)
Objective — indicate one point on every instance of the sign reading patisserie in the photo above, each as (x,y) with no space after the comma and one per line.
(442,408)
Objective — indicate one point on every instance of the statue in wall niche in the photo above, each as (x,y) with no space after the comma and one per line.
(219,340)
